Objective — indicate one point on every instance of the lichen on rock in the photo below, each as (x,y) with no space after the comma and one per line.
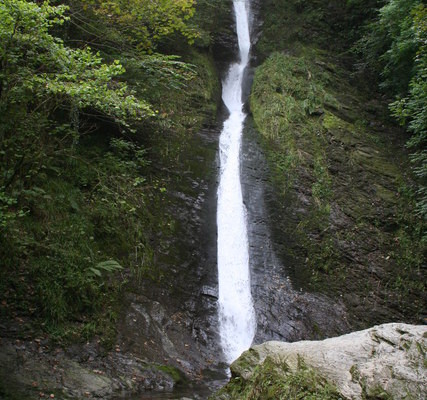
(386,361)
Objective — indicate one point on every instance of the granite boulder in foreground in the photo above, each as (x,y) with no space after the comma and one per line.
(384,362)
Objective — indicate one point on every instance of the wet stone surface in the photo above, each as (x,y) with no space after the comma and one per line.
(283,312)
(174,320)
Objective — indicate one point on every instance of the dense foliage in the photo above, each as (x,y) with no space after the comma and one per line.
(394,47)
(83,86)
(44,87)
(144,23)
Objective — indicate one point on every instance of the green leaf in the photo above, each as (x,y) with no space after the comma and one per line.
(109,266)
(95,271)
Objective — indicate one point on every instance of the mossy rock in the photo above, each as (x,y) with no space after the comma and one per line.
(176,374)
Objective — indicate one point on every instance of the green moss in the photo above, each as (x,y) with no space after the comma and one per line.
(295,139)
(377,393)
(177,376)
(184,110)
(386,195)
(244,364)
(355,373)
(273,381)
(339,167)
(285,110)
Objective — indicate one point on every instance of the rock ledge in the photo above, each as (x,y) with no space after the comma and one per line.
(389,358)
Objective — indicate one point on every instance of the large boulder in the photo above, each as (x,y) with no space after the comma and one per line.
(386,361)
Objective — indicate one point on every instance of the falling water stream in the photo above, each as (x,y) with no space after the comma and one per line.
(236,312)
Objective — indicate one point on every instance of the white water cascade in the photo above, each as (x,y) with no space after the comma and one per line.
(237,321)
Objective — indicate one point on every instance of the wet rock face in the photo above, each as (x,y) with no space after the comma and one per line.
(342,224)
(387,360)
(225,46)
(173,320)
(283,312)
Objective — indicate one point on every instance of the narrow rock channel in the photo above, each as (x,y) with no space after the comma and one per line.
(236,313)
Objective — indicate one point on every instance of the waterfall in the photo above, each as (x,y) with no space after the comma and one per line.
(237,321)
